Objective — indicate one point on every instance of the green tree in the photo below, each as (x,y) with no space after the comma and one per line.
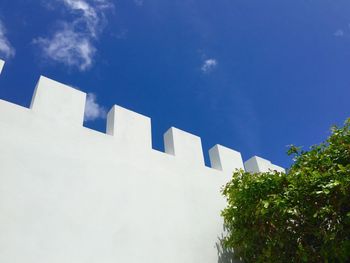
(302,215)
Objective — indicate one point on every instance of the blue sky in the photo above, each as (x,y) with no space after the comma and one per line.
(254,75)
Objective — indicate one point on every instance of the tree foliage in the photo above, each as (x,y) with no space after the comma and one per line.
(302,215)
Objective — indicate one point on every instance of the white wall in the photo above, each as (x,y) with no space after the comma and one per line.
(72,194)
(1,65)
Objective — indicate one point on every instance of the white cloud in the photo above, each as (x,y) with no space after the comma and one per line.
(93,110)
(6,48)
(73,44)
(89,15)
(138,2)
(209,65)
(68,47)
(339,33)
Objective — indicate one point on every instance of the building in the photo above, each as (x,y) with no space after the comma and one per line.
(72,194)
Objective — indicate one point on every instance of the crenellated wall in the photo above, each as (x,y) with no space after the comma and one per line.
(72,194)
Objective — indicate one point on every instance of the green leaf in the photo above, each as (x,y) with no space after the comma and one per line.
(298,216)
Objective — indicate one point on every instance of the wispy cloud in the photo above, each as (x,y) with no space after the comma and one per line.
(6,48)
(68,47)
(209,65)
(138,2)
(339,33)
(93,110)
(73,44)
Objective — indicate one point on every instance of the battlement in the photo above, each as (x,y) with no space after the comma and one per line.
(62,105)
(72,194)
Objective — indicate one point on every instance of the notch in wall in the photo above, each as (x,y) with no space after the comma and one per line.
(64,105)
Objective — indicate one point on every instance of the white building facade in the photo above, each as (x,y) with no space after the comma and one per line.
(69,194)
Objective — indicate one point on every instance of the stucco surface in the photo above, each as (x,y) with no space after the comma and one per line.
(72,194)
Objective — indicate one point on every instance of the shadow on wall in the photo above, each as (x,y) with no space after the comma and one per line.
(225,255)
